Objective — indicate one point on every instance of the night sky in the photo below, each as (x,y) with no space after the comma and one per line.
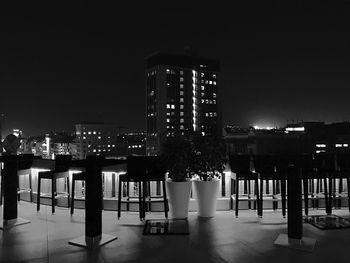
(60,65)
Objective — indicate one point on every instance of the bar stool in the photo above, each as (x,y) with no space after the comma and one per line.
(325,168)
(240,167)
(136,172)
(264,166)
(342,173)
(156,172)
(75,177)
(62,164)
(25,162)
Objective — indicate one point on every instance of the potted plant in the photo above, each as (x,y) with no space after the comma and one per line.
(176,153)
(207,165)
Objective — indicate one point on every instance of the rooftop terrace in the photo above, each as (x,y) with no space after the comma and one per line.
(223,238)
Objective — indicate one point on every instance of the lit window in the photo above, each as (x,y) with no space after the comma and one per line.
(173,106)
(168,113)
(167,120)
(89,132)
(182,127)
(181,72)
(202,87)
(168,84)
(84,138)
(181,99)
(214,76)
(214,95)
(214,101)
(202,74)
(181,113)
(202,94)
(181,107)
(210,82)
(214,82)
(181,86)
(181,93)
(168,106)
(99,137)
(94,132)
(182,120)
(202,101)
(167,71)
(108,145)
(181,79)
(94,150)
(84,132)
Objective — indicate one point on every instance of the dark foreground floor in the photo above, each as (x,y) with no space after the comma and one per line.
(220,239)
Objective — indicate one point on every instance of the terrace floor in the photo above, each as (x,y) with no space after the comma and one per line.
(220,239)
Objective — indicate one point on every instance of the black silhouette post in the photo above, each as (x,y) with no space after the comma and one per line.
(93,207)
(295,239)
(10,184)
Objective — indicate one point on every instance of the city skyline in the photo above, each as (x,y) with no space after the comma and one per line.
(86,63)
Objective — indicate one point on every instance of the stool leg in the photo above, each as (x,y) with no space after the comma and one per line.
(1,188)
(72,197)
(256,192)
(31,188)
(326,194)
(53,193)
(141,200)
(348,186)
(165,199)
(261,196)
(38,194)
(330,195)
(306,196)
(68,197)
(237,195)
(119,197)
(18,194)
(283,195)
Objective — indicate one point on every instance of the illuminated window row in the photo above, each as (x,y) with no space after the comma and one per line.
(135,146)
(91,132)
(170,106)
(207,101)
(210,114)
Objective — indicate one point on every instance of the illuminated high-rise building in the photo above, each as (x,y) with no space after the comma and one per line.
(182,97)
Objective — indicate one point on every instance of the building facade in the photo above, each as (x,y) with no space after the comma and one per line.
(182,97)
(96,139)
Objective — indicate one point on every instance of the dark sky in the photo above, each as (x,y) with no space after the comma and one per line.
(60,65)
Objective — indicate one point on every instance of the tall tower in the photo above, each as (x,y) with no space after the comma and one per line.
(182,97)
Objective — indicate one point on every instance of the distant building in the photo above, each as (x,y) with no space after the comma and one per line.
(304,137)
(182,97)
(96,139)
(132,143)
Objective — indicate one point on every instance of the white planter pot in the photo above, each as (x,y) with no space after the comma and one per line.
(206,193)
(179,198)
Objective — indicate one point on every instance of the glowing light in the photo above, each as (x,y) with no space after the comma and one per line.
(295,129)
(321,145)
